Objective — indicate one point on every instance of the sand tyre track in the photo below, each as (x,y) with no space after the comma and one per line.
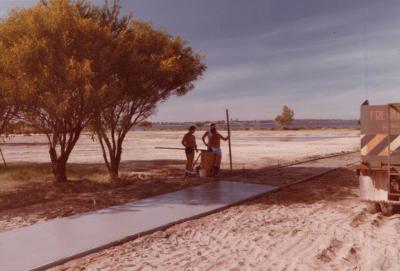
(373,207)
(328,166)
(386,209)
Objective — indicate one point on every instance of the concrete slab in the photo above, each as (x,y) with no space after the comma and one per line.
(46,244)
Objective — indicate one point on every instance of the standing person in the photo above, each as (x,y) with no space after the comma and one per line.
(215,145)
(208,136)
(189,142)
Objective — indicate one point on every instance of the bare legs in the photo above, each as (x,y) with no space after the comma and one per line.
(189,163)
(217,164)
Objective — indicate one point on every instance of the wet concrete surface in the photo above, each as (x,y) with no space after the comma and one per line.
(46,244)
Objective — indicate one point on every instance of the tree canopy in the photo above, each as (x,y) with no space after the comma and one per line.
(57,52)
(286,117)
(150,66)
(71,63)
(8,107)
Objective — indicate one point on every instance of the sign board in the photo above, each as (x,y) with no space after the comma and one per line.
(374,119)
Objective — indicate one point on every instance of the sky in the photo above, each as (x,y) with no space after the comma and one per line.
(322,58)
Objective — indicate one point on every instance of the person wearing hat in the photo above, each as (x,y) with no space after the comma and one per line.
(207,135)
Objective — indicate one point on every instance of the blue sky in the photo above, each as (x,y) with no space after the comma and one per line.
(321,57)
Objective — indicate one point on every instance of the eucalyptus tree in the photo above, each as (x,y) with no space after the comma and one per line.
(149,66)
(58,53)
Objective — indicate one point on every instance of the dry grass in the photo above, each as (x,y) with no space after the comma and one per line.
(24,172)
(28,193)
(20,174)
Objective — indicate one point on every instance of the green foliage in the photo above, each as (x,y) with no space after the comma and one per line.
(38,172)
(7,111)
(25,172)
(286,117)
(149,66)
(67,64)
(8,103)
(56,54)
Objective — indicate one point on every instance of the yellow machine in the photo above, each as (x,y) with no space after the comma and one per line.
(379,172)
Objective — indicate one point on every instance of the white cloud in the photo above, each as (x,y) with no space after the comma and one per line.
(318,65)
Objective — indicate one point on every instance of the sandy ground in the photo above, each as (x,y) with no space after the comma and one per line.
(27,204)
(251,149)
(318,225)
(274,232)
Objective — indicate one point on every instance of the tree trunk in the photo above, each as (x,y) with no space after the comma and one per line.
(59,171)
(112,151)
(59,166)
(113,173)
(115,160)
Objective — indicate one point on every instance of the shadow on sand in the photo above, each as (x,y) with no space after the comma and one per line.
(83,194)
(340,184)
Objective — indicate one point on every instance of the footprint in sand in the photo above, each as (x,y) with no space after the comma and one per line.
(329,253)
(377,221)
(359,219)
(353,255)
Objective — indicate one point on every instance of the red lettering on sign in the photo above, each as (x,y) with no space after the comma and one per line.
(394,115)
(377,115)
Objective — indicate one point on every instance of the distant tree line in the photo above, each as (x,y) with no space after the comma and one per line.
(66,66)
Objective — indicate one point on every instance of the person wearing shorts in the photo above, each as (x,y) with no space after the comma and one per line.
(189,142)
(215,146)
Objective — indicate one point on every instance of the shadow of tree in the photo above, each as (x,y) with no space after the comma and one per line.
(340,184)
(32,184)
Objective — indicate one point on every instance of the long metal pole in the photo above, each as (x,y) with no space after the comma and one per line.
(229,140)
(168,148)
